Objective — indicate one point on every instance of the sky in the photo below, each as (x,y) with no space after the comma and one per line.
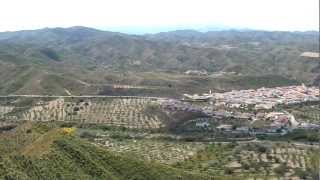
(148,16)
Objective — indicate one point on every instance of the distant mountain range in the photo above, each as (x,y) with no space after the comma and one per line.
(32,61)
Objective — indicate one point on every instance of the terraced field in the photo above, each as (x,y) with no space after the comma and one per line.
(261,160)
(154,150)
(276,160)
(243,159)
(4,110)
(126,112)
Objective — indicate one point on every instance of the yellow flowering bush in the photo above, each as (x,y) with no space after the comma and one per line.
(68,131)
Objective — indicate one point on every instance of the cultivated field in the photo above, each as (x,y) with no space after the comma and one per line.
(256,160)
(154,150)
(126,112)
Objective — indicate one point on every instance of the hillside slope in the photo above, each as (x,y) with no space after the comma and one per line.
(85,55)
(59,156)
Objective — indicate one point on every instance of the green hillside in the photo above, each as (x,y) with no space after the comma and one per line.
(84,60)
(56,155)
(74,159)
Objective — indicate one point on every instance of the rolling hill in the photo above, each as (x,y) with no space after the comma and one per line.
(49,153)
(49,61)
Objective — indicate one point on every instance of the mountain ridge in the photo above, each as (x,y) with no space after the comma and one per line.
(91,55)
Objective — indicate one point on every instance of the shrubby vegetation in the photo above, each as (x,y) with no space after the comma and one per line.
(70,158)
(105,58)
(302,135)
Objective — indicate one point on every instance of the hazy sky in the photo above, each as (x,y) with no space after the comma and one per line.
(149,15)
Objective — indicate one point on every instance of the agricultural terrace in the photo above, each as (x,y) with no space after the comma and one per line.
(126,112)
(153,150)
(256,159)
(150,146)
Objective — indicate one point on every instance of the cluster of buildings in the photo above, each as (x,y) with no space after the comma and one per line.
(196,72)
(245,105)
(281,119)
(267,98)
(310,54)
(176,105)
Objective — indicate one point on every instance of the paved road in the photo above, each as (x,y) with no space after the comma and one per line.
(84,96)
(301,144)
